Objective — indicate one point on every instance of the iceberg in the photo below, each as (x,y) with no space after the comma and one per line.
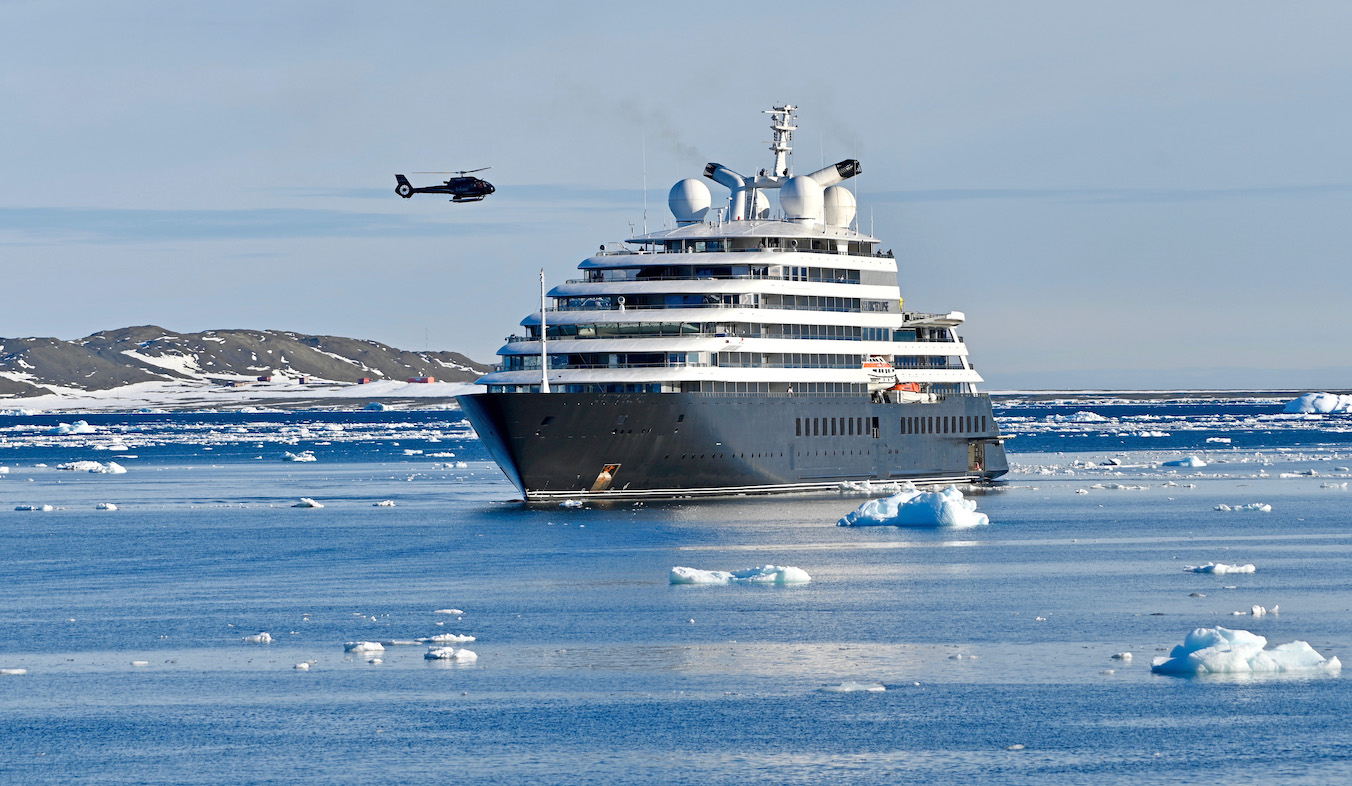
(260,638)
(375,406)
(770,574)
(304,455)
(78,427)
(1224,651)
(947,508)
(1219,567)
(81,466)
(450,653)
(363,646)
(1190,461)
(306,502)
(1319,404)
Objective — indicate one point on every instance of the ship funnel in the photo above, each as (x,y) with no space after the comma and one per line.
(726,177)
(837,173)
(689,201)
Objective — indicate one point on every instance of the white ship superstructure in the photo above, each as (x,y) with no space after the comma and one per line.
(744,300)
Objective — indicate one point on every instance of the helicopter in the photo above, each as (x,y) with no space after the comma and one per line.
(462,188)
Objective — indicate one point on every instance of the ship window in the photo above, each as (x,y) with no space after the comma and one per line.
(798,427)
(983,424)
(816,427)
(850,422)
(547,421)
(680,418)
(833,426)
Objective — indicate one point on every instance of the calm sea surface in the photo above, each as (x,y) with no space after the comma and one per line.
(592,667)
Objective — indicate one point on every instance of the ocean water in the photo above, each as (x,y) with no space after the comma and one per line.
(593,668)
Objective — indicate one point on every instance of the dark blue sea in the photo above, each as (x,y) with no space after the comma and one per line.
(130,625)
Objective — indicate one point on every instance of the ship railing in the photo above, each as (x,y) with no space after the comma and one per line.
(743,277)
(725,306)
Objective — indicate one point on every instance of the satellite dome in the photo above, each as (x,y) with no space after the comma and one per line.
(801,198)
(838,206)
(762,207)
(689,200)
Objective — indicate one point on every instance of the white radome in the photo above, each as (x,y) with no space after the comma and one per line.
(689,200)
(838,206)
(801,199)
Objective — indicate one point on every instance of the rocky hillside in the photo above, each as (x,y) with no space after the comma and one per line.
(114,358)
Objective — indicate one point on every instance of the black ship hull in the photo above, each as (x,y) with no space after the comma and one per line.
(556,446)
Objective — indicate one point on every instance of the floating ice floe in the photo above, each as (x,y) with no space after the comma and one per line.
(1219,567)
(1319,403)
(1256,507)
(140,663)
(260,638)
(44,508)
(770,574)
(571,503)
(105,506)
(1224,651)
(306,502)
(1078,417)
(375,406)
(13,672)
(452,612)
(412,452)
(384,503)
(363,646)
(1222,440)
(301,667)
(855,687)
(78,427)
(1118,487)
(450,653)
(1258,611)
(461,465)
(1190,461)
(447,638)
(1342,485)
(947,508)
(1125,657)
(4,470)
(304,455)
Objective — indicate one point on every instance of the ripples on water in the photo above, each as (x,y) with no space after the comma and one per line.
(593,668)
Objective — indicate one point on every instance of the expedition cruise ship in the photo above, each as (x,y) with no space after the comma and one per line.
(747,350)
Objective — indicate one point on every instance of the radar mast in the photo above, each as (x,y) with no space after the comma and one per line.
(783,123)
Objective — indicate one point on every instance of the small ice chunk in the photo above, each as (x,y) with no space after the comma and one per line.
(770,574)
(306,502)
(13,672)
(947,508)
(301,666)
(375,406)
(259,638)
(115,468)
(45,508)
(452,612)
(1222,440)
(450,653)
(1254,507)
(449,638)
(1219,567)
(1190,461)
(81,466)
(855,687)
(78,427)
(363,646)
(384,503)
(140,663)
(1123,656)
(1018,746)
(1223,651)
(375,661)
(571,503)
(412,452)
(461,465)
(105,506)
(303,456)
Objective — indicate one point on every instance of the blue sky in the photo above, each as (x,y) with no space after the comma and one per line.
(1140,195)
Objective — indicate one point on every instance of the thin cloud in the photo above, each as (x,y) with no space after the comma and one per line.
(1112,195)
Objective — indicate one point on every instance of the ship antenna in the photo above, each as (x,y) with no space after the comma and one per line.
(645,184)
(544,351)
(782,122)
